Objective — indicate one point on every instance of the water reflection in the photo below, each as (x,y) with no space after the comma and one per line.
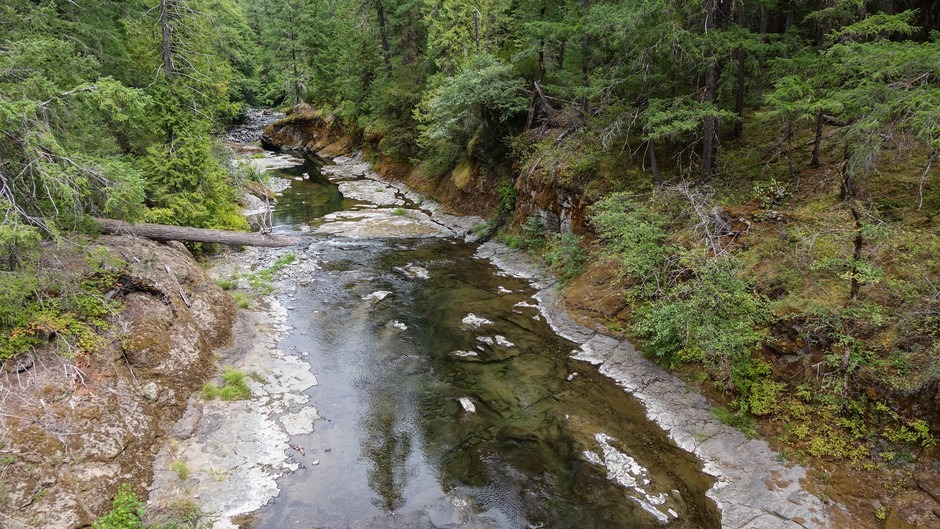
(311,195)
(399,450)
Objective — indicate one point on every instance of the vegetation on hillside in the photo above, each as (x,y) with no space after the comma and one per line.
(107,109)
(763,174)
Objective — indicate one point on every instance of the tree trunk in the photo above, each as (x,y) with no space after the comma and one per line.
(657,178)
(383,35)
(166,39)
(585,67)
(739,95)
(162,232)
(856,254)
(790,148)
(788,21)
(542,46)
(710,125)
(293,55)
(848,189)
(817,141)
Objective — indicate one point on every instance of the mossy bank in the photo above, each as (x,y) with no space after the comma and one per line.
(85,413)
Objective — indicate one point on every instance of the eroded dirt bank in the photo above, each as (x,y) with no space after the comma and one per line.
(72,428)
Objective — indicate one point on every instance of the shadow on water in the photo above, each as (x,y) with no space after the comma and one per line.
(433,419)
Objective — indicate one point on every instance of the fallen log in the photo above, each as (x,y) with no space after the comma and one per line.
(163,232)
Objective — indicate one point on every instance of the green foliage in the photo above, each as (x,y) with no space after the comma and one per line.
(564,254)
(126,512)
(181,468)
(39,307)
(636,235)
(242,300)
(738,420)
(712,318)
(188,185)
(677,118)
(533,231)
(234,387)
(507,197)
(483,94)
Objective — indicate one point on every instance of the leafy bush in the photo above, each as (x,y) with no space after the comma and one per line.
(711,318)
(565,256)
(636,235)
(126,512)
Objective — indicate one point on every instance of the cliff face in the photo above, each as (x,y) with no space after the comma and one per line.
(74,428)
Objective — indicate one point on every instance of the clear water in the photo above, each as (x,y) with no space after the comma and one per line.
(397,449)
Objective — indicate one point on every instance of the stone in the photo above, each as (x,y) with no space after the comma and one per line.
(913,510)
(475,322)
(377,296)
(150,391)
(467,405)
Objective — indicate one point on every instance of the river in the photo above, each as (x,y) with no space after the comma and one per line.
(444,399)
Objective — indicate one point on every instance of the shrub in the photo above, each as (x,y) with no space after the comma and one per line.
(534,231)
(711,318)
(565,256)
(636,235)
(126,511)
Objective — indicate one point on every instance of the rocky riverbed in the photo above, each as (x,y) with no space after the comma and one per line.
(236,452)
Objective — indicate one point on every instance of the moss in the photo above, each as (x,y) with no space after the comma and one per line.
(463,174)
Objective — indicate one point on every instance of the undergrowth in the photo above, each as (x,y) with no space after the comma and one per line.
(128,512)
(807,316)
(234,386)
(41,305)
(257,282)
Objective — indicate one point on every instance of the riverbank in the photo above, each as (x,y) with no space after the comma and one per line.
(753,489)
(80,417)
(826,388)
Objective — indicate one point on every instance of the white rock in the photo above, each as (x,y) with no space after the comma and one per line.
(503,342)
(467,405)
(474,322)
(378,295)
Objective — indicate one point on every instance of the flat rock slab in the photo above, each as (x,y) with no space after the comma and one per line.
(275,161)
(377,193)
(381,224)
(235,451)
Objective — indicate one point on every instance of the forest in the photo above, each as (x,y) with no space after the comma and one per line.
(759,177)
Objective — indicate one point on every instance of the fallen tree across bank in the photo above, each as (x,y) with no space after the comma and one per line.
(163,232)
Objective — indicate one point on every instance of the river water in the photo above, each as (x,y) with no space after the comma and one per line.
(444,398)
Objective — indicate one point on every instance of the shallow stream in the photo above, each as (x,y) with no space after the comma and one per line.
(445,399)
